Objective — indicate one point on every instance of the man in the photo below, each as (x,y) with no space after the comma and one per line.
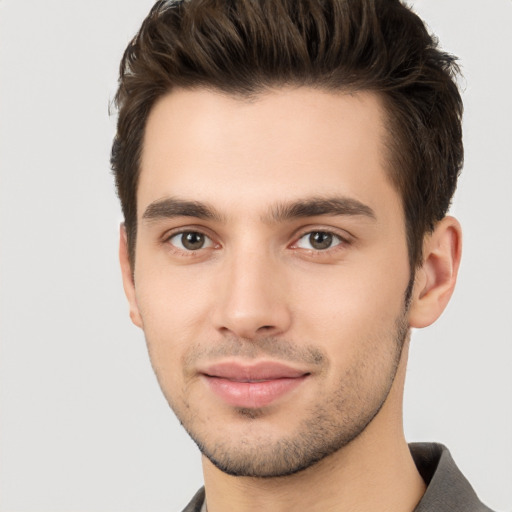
(285,168)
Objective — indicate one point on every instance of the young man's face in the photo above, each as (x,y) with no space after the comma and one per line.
(270,272)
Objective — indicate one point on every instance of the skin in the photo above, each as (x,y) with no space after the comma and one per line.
(259,291)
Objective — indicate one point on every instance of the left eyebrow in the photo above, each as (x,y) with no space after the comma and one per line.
(313,207)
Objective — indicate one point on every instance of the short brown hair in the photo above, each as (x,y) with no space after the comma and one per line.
(245,47)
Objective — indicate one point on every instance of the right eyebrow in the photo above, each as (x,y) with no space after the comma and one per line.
(171,207)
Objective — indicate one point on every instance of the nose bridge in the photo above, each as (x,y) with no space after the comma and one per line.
(252,301)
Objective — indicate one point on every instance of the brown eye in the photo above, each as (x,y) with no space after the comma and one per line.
(190,241)
(319,240)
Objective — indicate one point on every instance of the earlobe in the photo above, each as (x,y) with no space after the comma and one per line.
(127,275)
(435,279)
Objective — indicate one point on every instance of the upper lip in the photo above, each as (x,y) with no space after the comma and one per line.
(261,371)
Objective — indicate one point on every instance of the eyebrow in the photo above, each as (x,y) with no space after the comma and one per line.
(316,206)
(172,207)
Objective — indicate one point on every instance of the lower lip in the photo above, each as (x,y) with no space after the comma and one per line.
(252,395)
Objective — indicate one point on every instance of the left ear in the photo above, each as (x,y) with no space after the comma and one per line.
(435,279)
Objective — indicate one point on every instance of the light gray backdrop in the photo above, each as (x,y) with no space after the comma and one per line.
(83,425)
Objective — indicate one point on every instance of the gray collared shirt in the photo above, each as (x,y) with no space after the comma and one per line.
(447,488)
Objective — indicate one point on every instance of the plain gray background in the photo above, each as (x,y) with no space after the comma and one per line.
(83,425)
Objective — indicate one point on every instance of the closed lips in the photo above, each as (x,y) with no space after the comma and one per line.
(252,386)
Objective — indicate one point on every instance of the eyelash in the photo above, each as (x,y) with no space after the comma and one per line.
(183,251)
(342,242)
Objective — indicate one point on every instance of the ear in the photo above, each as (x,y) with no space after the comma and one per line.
(127,275)
(435,279)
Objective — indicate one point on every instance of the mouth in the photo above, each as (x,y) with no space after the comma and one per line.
(252,386)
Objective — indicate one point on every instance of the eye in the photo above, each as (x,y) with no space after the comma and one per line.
(319,240)
(190,241)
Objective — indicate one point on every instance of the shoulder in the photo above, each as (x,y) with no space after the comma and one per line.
(447,488)
(196,503)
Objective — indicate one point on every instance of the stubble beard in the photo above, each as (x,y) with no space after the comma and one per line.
(327,427)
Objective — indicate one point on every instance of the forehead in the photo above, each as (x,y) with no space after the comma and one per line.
(282,145)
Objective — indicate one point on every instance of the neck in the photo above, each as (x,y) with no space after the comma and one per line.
(374,472)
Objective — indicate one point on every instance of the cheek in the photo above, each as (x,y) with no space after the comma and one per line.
(173,310)
(354,321)
(171,300)
(348,300)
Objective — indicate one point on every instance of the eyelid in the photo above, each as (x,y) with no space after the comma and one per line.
(192,228)
(208,241)
(336,241)
(345,237)
(166,237)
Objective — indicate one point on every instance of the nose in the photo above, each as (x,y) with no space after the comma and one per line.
(252,300)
